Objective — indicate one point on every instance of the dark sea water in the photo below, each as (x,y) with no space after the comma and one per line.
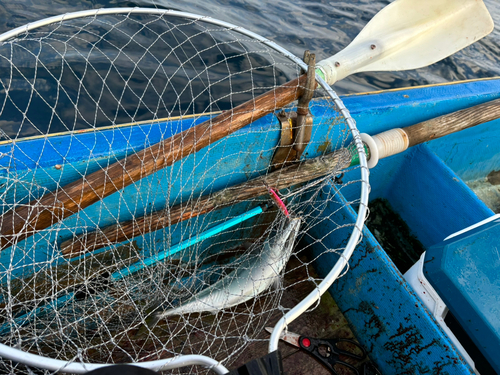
(322,26)
(39,95)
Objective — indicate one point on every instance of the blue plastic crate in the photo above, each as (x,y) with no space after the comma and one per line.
(464,272)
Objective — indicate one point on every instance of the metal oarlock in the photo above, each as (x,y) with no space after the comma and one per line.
(284,152)
(304,118)
(296,127)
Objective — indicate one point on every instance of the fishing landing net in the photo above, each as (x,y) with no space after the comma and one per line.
(134,229)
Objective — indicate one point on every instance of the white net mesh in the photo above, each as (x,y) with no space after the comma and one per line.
(103,266)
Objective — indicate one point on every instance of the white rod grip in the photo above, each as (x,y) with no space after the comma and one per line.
(385,144)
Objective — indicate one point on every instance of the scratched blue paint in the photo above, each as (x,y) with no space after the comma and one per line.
(383,110)
(25,162)
(232,160)
(385,315)
(429,196)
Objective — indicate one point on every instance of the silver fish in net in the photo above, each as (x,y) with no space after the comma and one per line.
(252,277)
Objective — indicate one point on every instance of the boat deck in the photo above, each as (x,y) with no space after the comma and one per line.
(325,321)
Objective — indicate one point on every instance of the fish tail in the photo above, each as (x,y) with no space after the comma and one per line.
(155,318)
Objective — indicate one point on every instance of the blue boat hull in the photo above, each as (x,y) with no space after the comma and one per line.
(424,185)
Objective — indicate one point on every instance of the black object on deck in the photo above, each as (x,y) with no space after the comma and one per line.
(270,364)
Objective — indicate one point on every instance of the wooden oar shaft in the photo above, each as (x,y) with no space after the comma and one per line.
(294,174)
(453,122)
(27,219)
(394,141)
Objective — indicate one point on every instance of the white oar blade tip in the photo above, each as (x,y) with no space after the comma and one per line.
(409,34)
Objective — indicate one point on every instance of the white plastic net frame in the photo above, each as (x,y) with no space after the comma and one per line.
(86,332)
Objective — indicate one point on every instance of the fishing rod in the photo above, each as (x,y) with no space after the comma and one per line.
(404,35)
(377,147)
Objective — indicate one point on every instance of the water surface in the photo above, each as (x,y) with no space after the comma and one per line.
(322,26)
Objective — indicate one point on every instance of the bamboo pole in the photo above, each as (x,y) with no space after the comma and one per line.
(280,179)
(453,122)
(397,140)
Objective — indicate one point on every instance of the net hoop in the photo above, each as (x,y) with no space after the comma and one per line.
(171,363)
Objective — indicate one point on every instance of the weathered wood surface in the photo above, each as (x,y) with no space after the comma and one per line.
(26,220)
(453,122)
(279,179)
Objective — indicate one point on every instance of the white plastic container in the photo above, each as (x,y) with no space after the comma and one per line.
(415,277)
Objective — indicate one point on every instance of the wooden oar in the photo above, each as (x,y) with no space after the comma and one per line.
(378,146)
(387,43)
(397,140)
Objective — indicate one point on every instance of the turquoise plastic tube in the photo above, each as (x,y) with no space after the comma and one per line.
(135,267)
(141,264)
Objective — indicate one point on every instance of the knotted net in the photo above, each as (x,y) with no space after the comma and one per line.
(121,204)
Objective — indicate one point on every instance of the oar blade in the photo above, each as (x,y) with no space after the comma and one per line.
(409,34)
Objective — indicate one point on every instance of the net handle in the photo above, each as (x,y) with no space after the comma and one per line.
(356,234)
(82,368)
